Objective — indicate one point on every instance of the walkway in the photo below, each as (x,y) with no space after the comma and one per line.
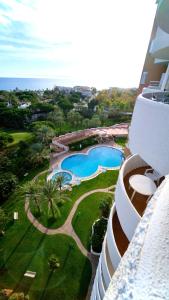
(68,229)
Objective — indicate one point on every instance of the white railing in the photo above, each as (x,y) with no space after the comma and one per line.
(100,281)
(127,214)
(105,268)
(111,243)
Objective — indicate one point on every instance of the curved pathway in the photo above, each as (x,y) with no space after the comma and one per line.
(68,229)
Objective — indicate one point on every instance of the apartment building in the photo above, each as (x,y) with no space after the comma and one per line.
(134,262)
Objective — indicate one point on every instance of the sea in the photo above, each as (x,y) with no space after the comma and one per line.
(9,84)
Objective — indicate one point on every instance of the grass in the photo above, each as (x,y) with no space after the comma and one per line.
(103,180)
(20,136)
(87,212)
(25,248)
(121,141)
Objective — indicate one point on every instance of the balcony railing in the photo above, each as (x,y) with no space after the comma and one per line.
(127,212)
(158,96)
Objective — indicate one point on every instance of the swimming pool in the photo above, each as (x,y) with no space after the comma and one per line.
(85,165)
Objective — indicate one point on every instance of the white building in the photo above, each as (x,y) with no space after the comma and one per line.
(134,263)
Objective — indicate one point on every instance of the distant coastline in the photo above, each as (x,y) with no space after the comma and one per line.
(11,83)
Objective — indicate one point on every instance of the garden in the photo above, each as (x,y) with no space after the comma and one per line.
(24,248)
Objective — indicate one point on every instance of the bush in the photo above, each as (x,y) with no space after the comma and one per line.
(104,207)
(90,141)
(5,138)
(8,183)
(98,235)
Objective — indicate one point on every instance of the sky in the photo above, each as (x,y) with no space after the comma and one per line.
(99,43)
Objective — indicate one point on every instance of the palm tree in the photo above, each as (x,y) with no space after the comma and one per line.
(32,192)
(54,197)
(53,263)
(45,134)
(61,180)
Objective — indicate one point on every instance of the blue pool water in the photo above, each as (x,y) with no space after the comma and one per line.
(66,175)
(83,165)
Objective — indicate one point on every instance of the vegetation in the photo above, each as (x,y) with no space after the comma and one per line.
(88,211)
(121,141)
(54,197)
(101,181)
(105,206)
(90,141)
(99,230)
(25,248)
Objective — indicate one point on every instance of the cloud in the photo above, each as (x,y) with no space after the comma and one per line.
(96,40)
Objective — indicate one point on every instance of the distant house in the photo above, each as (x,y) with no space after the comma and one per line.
(84,90)
(24,105)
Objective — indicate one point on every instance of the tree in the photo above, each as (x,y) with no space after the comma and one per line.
(95,121)
(32,191)
(74,118)
(38,153)
(53,196)
(86,123)
(45,134)
(3,221)
(57,117)
(53,263)
(8,182)
(5,138)
(62,180)
(104,207)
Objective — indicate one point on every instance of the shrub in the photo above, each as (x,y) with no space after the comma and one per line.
(5,138)
(104,207)
(8,183)
(98,234)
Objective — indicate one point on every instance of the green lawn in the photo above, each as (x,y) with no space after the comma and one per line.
(20,136)
(121,140)
(24,248)
(87,212)
(101,181)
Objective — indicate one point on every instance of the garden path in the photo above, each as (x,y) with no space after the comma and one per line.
(68,229)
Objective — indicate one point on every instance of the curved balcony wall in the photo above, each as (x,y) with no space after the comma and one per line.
(148,135)
(160,45)
(111,243)
(100,281)
(162,15)
(127,214)
(105,268)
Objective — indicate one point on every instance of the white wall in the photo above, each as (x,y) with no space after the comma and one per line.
(149,133)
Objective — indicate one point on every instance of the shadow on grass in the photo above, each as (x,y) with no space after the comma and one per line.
(22,284)
(46,286)
(51,221)
(16,246)
(84,280)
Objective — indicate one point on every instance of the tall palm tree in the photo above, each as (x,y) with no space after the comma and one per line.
(61,180)
(32,192)
(54,197)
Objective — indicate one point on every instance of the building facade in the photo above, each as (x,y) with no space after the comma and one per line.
(129,252)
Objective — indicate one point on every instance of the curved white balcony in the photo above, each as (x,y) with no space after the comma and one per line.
(148,134)
(160,45)
(100,281)
(162,15)
(111,243)
(105,262)
(129,213)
